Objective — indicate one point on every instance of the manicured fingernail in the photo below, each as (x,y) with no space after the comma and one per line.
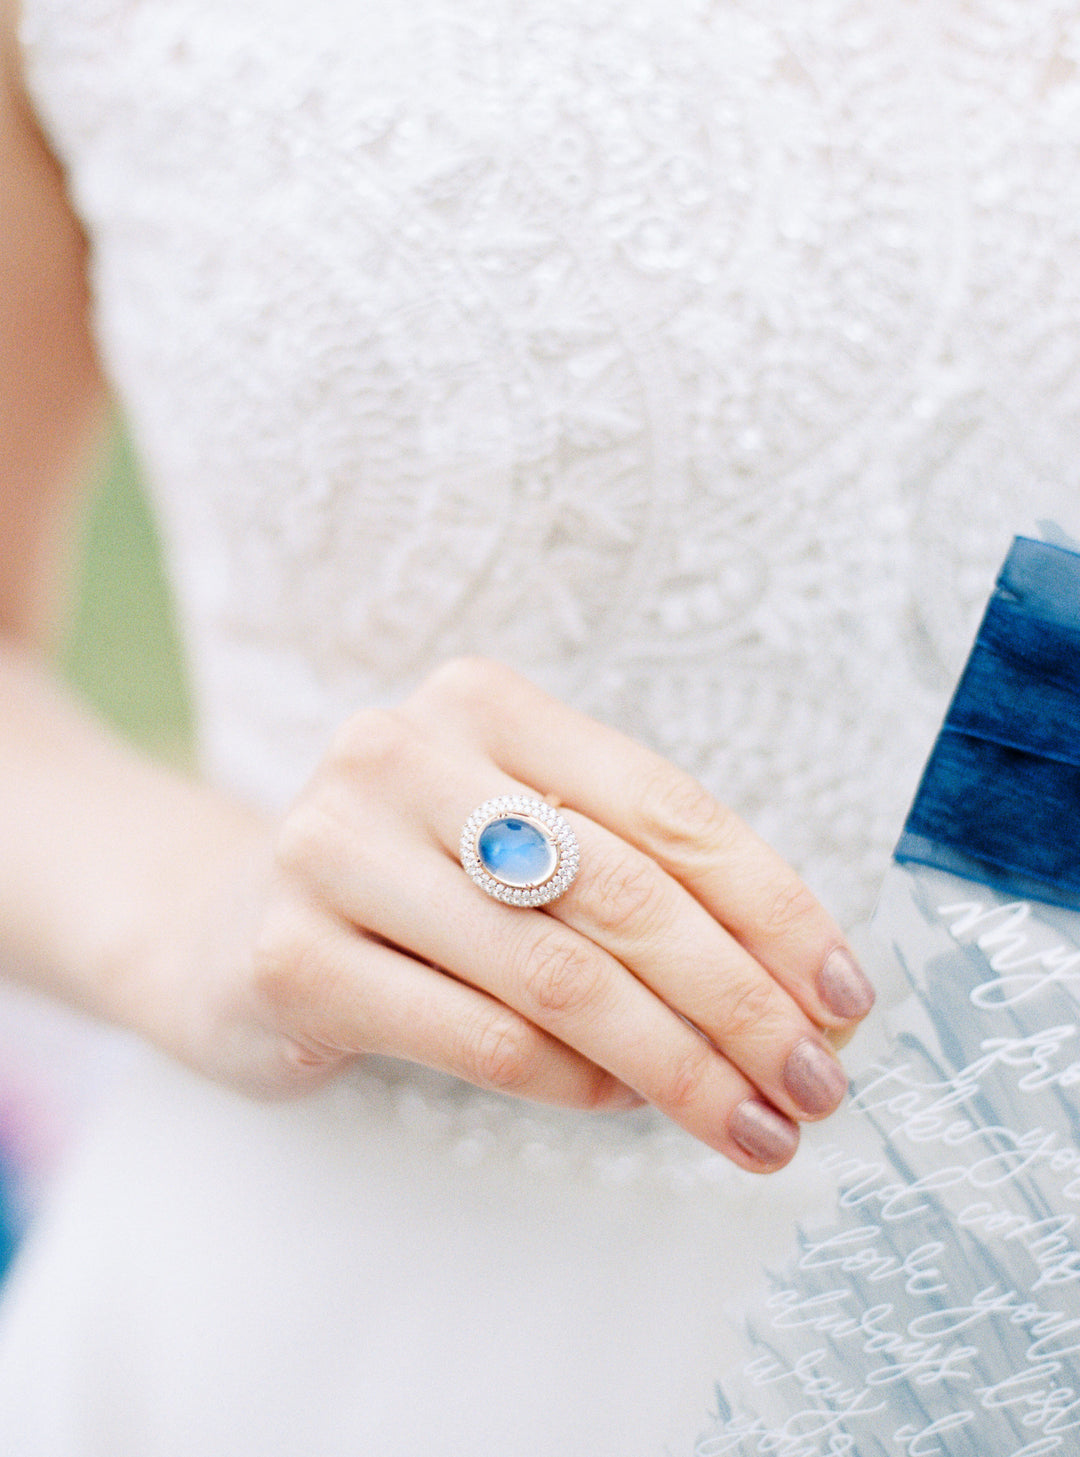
(763,1133)
(843,987)
(814,1078)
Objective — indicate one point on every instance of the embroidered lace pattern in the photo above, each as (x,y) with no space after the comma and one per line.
(698,358)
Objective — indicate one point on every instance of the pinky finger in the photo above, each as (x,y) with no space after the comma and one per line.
(342,994)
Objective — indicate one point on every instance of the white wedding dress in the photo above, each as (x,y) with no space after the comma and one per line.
(697,358)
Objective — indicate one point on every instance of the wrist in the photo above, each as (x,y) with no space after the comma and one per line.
(179,971)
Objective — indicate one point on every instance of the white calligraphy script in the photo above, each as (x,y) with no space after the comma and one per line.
(937,1312)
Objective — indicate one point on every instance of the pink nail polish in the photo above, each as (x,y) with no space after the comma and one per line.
(843,987)
(814,1078)
(763,1133)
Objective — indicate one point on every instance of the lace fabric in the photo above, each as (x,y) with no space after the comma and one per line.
(698,359)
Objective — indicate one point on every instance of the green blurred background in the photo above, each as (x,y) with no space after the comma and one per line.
(121,651)
(120,647)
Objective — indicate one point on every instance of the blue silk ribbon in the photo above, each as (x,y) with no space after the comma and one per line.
(999,800)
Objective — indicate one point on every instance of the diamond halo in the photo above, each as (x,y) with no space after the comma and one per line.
(547,823)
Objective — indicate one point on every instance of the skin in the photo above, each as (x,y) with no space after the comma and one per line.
(684,967)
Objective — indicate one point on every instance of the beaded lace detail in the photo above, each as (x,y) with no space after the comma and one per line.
(697,358)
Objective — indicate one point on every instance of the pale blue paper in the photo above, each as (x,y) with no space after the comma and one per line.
(936,1312)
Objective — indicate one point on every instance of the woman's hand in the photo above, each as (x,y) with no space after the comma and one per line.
(686,965)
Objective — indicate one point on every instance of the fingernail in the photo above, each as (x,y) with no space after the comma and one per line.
(814,1078)
(763,1133)
(843,987)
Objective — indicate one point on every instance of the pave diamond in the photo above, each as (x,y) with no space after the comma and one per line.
(519,850)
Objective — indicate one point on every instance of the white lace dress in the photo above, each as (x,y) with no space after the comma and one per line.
(697,358)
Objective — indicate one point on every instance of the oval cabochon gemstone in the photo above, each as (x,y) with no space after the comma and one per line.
(516,852)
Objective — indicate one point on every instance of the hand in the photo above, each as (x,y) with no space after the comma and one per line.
(687,965)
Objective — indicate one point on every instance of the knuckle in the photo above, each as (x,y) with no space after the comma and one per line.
(791,906)
(290,960)
(560,978)
(747,1007)
(303,836)
(498,1053)
(681,818)
(302,1063)
(373,745)
(688,1077)
(465,681)
(626,894)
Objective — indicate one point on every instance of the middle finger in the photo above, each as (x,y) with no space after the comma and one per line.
(625,903)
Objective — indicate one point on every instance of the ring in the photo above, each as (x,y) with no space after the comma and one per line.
(519,850)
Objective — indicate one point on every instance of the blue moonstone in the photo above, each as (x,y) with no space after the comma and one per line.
(516,852)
